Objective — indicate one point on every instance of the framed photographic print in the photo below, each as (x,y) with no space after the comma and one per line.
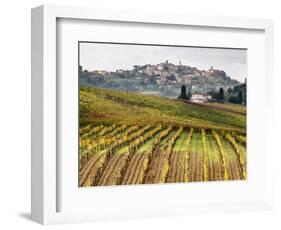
(161,122)
(138,115)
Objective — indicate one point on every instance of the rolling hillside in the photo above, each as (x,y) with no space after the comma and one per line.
(129,138)
(104,106)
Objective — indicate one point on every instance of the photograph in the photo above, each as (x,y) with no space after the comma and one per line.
(157,113)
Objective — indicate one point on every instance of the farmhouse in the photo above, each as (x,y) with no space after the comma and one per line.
(200,98)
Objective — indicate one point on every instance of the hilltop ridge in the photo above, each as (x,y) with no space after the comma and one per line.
(163,79)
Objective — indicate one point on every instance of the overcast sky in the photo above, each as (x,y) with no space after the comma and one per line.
(109,57)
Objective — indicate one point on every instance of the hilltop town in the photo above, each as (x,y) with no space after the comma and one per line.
(164,79)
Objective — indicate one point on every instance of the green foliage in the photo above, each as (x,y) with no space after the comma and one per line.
(238,94)
(215,95)
(234,100)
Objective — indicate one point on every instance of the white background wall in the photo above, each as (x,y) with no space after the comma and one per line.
(15,112)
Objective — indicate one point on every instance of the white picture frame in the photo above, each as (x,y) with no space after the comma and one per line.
(45,90)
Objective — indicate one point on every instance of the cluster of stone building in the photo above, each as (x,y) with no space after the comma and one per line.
(169,76)
(169,73)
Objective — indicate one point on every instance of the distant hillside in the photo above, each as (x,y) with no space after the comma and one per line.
(164,79)
(107,106)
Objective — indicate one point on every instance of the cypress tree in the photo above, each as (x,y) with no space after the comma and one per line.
(240,99)
(183,93)
(221,95)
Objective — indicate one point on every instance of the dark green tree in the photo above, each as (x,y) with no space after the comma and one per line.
(240,98)
(214,95)
(221,95)
(233,99)
(183,93)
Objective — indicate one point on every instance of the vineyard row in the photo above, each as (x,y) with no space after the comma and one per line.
(120,155)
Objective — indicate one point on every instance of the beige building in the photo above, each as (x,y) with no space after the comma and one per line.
(200,98)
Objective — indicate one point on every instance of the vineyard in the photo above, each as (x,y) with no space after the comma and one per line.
(127,138)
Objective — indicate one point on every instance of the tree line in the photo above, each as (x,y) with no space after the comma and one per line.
(237,95)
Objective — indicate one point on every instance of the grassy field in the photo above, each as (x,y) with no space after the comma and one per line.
(129,138)
(104,106)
